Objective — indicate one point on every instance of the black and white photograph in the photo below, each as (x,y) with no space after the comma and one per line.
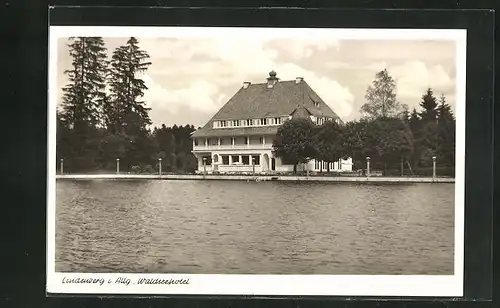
(256,161)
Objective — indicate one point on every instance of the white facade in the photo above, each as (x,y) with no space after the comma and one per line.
(251,154)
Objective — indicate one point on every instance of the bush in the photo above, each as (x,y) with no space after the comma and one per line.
(148,169)
(135,169)
(422,171)
(440,171)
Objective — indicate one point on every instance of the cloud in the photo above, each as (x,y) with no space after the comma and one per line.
(376,66)
(301,49)
(338,97)
(338,65)
(414,77)
(209,72)
(195,79)
(191,78)
(372,66)
(200,95)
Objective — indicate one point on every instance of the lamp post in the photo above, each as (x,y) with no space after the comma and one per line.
(159,166)
(117,166)
(433,168)
(253,165)
(368,166)
(204,166)
(62,166)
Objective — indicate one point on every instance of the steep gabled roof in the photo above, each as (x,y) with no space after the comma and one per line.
(259,101)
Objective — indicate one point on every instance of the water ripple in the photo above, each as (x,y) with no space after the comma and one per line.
(254,228)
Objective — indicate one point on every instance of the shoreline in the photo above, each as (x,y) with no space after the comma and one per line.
(258,178)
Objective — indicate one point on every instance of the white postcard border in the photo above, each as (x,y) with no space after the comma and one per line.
(280,285)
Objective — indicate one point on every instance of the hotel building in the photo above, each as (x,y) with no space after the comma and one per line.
(239,137)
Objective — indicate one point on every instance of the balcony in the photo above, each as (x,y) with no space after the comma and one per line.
(205,148)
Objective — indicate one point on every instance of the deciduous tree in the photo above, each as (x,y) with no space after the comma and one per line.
(294,141)
(381,98)
(328,143)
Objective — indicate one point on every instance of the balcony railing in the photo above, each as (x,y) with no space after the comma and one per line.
(203,147)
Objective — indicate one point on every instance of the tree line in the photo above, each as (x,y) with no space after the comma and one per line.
(102,116)
(396,141)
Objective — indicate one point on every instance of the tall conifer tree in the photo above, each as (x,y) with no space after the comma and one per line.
(427,139)
(83,98)
(126,109)
(126,113)
(429,105)
(446,128)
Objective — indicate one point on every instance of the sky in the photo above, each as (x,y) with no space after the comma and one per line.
(191,78)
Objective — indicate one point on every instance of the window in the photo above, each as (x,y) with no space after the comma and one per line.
(195,142)
(245,159)
(213,141)
(263,121)
(223,124)
(235,158)
(277,121)
(225,160)
(261,140)
(236,123)
(221,142)
(256,159)
(246,140)
(207,160)
(250,122)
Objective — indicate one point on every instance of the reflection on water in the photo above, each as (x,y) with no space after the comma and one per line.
(210,227)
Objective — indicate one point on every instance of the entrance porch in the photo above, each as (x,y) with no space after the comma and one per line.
(232,163)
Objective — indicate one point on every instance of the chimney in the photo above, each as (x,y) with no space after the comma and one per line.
(272,79)
(246,84)
(298,80)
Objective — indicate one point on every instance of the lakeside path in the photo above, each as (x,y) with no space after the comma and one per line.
(378,179)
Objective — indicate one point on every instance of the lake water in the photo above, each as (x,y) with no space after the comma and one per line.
(214,227)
